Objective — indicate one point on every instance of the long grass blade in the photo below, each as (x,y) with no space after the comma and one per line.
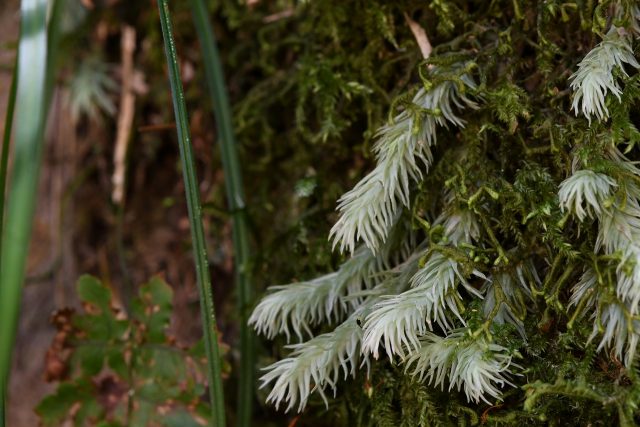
(197,231)
(236,201)
(4,164)
(29,131)
(33,95)
(6,141)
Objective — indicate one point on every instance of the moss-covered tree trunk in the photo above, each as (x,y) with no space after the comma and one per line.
(491,252)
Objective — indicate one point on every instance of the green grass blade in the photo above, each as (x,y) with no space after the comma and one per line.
(6,141)
(4,163)
(197,231)
(53,36)
(236,200)
(29,130)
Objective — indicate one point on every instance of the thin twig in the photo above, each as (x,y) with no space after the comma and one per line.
(125,117)
(421,37)
(287,13)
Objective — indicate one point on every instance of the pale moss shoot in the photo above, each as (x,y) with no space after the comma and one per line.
(611,317)
(403,152)
(595,77)
(478,367)
(398,321)
(515,291)
(614,316)
(314,365)
(585,192)
(299,306)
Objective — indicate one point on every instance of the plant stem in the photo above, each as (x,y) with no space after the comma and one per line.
(6,141)
(30,119)
(4,163)
(235,197)
(195,219)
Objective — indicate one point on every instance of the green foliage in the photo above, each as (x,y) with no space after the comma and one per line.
(29,96)
(236,204)
(535,281)
(541,282)
(120,370)
(194,208)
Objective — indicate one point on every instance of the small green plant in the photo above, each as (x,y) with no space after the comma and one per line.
(119,369)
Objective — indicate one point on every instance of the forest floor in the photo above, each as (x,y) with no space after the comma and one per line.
(78,229)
